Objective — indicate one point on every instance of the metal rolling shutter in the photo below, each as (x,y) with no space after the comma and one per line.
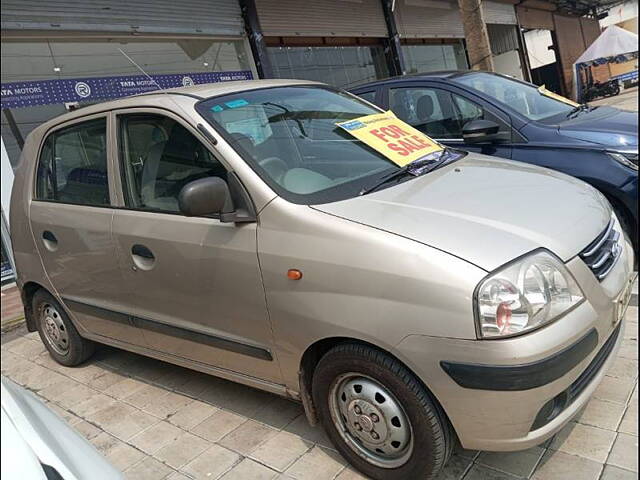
(210,17)
(428,19)
(503,38)
(499,13)
(321,18)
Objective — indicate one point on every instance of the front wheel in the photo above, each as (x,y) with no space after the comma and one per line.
(379,416)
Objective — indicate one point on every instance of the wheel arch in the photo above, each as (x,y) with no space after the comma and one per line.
(27,292)
(319,348)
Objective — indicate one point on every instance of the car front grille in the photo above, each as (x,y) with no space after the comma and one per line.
(603,253)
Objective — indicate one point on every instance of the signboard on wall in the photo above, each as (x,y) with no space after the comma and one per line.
(47,92)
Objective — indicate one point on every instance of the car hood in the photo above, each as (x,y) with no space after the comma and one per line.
(608,126)
(486,211)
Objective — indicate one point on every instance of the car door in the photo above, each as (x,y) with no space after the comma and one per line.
(71,215)
(442,114)
(194,282)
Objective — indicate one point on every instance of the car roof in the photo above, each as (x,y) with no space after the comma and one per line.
(197,92)
(440,74)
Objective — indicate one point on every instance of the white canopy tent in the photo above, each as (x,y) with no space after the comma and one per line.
(614,44)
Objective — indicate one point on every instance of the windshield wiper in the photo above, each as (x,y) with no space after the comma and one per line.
(580,108)
(417,167)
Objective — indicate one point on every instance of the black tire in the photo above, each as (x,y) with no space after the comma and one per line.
(628,225)
(432,434)
(78,349)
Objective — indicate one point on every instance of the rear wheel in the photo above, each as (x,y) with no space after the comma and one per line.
(379,416)
(58,333)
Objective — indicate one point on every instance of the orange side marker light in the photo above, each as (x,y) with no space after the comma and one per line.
(294,274)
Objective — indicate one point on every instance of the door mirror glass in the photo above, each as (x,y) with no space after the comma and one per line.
(477,131)
(206,196)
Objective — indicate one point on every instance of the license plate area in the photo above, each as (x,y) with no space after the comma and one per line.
(622,302)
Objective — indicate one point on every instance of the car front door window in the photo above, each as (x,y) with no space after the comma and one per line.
(430,110)
(160,156)
(437,112)
(469,111)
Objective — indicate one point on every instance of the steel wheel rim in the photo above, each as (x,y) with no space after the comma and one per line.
(371,420)
(54,329)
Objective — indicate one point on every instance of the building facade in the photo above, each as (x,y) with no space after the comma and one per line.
(61,54)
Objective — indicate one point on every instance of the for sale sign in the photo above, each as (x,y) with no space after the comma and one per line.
(393,138)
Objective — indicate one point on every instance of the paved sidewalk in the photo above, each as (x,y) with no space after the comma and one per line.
(154,420)
(627,100)
(12,311)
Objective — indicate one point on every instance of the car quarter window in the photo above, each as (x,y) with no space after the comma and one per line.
(159,156)
(73,165)
(437,112)
(368,96)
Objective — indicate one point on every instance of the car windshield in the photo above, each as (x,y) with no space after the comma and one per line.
(288,135)
(522,97)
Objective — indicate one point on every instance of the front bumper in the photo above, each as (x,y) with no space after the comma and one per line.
(527,388)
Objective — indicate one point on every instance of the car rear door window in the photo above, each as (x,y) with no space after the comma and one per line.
(159,156)
(73,165)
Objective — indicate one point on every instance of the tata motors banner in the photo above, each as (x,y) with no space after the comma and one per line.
(46,92)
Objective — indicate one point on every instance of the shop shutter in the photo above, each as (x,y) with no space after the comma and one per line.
(209,17)
(428,19)
(532,18)
(321,18)
(503,38)
(499,13)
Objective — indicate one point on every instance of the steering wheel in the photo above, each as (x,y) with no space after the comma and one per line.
(275,167)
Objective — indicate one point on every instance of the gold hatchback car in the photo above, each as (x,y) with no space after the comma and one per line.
(296,239)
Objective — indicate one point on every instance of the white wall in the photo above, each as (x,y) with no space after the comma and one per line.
(7,181)
(627,13)
(537,42)
(508,63)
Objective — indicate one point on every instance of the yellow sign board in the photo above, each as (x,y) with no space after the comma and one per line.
(547,93)
(395,139)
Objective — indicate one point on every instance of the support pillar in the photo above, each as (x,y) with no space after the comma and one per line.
(256,40)
(393,48)
(475,32)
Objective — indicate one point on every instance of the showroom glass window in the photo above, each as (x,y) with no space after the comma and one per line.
(81,57)
(339,66)
(433,57)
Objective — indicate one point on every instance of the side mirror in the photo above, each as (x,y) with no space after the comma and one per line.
(206,196)
(481,131)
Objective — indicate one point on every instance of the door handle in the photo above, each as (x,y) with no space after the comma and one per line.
(143,258)
(142,251)
(50,241)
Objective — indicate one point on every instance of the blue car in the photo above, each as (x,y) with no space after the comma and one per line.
(498,115)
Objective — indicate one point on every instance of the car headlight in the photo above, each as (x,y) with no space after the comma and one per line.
(525,295)
(628,159)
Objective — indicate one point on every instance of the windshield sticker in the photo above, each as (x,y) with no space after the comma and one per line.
(393,138)
(547,93)
(237,103)
(217,108)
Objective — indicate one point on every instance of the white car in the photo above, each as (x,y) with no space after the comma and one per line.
(38,445)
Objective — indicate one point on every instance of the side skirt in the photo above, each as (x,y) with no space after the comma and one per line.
(250,381)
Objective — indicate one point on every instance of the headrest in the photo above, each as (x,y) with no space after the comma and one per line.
(424,107)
